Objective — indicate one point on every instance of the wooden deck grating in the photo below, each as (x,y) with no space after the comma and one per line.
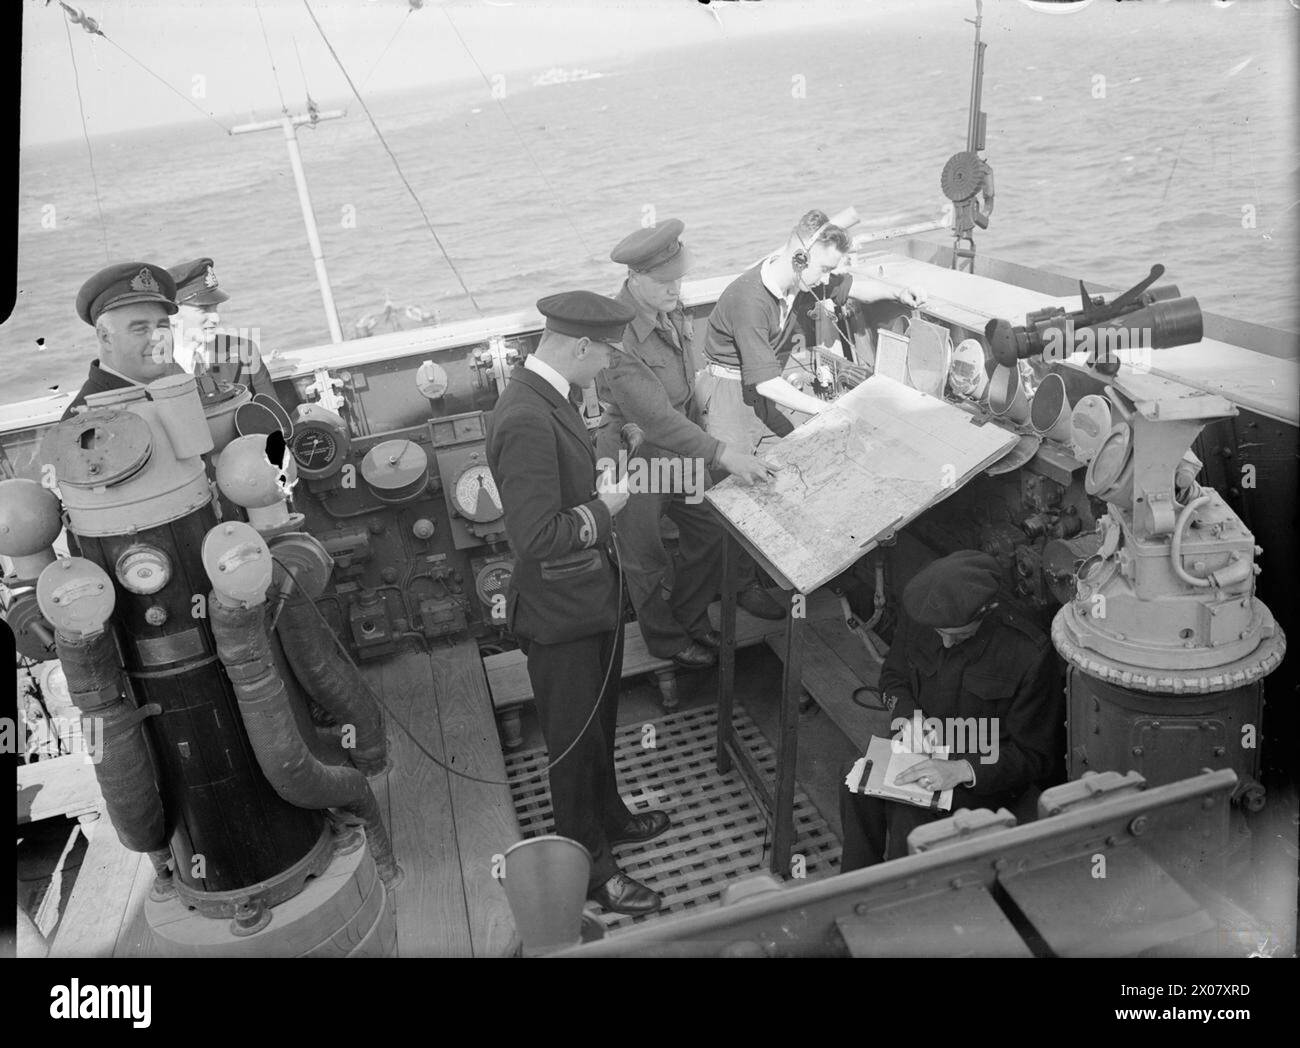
(718,833)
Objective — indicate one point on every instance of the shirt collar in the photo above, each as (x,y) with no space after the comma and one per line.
(538,366)
(767,274)
(645,320)
(124,378)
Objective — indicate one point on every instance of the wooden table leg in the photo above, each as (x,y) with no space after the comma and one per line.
(727,653)
(787,751)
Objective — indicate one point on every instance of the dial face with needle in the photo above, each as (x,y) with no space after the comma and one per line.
(476,494)
(314,450)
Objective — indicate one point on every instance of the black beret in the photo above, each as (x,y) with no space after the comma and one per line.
(124,284)
(584,314)
(950,592)
(657,250)
(196,283)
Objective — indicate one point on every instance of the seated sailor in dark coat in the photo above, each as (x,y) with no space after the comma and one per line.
(980,677)
(129,305)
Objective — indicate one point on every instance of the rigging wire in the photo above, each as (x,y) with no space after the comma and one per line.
(271,58)
(555,198)
(85,133)
(397,166)
(92,27)
(400,26)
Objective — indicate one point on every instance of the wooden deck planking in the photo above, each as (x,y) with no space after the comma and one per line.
(103,899)
(432,918)
(484,815)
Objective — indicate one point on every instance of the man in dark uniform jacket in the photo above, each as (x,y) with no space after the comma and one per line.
(564,602)
(651,384)
(230,357)
(129,305)
(958,656)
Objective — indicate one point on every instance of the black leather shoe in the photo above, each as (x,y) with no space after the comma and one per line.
(623,895)
(695,656)
(711,640)
(759,603)
(644,827)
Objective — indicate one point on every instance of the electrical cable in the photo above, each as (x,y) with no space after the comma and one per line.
(397,166)
(284,108)
(600,695)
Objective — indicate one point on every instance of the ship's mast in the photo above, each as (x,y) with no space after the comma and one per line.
(966,175)
(289,123)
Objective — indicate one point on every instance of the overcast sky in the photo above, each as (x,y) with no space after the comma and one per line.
(221,42)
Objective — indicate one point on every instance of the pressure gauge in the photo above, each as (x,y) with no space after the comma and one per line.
(320,442)
(492,580)
(143,569)
(475,495)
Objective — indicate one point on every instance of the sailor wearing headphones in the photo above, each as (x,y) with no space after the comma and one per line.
(750,335)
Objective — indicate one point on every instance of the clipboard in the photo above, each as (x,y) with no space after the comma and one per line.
(873,775)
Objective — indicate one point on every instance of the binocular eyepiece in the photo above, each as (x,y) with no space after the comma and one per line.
(1152,318)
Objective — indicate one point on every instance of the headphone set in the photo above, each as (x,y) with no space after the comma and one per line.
(799,260)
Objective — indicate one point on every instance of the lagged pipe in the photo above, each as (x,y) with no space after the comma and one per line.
(293,771)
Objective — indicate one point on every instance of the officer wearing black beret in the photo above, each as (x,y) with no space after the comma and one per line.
(564,601)
(128,304)
(230,357)
(985,681)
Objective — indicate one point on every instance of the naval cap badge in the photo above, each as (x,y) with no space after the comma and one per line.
(144,281)
(209,278)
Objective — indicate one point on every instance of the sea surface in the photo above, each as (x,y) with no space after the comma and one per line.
(1131,134)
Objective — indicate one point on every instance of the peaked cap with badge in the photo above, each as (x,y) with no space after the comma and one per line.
(196,283)
(125,284)
(585,314)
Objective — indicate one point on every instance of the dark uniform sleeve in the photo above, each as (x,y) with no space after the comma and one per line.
(527,475)
(758,362)
(1029,731)
(643,400)
(896,674)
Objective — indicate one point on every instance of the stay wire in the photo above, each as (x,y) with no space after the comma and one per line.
(284,108)
(555,197)
(600,696)
(180,94)
(85,133)
(378,61)
(398,167)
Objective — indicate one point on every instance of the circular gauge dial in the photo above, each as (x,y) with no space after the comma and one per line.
(315,450)
(493,580)
(143,569)
(476,494)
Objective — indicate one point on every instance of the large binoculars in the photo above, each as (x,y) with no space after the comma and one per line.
(1142,317)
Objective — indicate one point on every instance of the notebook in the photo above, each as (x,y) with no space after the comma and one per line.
(875,775)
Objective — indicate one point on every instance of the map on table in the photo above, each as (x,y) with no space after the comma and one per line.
(879,456)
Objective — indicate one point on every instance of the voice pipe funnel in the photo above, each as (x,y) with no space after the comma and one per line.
(546,886)
(1007,397)
(1050,410)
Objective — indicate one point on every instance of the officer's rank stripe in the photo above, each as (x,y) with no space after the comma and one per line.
(587,530)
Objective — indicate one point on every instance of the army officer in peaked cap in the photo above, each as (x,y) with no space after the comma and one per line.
(129,306)
(960,656)
(232,358)
(564,600)
(650,383)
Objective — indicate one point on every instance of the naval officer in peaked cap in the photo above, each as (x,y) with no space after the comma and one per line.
(129,305)
(564,600)
(231,357)
(650,385)
(960,660)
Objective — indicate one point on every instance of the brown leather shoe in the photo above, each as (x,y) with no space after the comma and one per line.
(623,895)
(644,827)
(711,640)
(695,656)
(759,603)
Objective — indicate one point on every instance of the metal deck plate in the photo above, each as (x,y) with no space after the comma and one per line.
(718,833)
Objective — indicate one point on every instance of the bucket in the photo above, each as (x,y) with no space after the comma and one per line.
(1090,421)
(546,886)
(1007,395)
(929,351)
(967,376)
(1049,413)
